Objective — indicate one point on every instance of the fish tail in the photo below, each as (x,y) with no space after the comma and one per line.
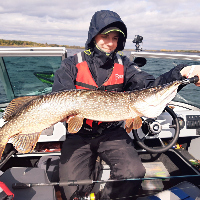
(3,142)
(2,147)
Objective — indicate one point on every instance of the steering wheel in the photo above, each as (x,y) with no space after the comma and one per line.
(151,128)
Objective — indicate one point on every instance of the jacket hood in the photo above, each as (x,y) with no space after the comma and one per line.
(102,20)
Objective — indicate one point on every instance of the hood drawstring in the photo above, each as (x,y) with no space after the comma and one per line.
(88,52)
(107,54)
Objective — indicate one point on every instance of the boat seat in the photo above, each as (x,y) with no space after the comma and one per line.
(28,175)
(184,190)
(51,166)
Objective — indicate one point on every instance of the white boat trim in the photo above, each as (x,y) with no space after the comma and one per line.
(35,51)
(166,55)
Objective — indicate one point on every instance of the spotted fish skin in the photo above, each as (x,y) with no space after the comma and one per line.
(28,116)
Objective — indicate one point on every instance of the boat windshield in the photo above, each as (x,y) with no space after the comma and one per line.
(28,72)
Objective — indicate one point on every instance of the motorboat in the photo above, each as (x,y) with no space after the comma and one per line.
(169,146)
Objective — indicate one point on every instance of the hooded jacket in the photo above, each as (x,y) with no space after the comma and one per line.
(102,20)
(101,65)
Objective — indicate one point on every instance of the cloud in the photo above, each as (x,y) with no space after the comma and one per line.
(165,24)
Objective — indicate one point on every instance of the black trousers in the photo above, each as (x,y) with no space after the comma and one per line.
(78,159)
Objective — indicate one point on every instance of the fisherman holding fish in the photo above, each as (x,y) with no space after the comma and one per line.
(100,67)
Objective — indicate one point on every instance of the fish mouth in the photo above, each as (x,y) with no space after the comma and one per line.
(164,96)
(171,96)
(169,90)
(169,93)
(160,100)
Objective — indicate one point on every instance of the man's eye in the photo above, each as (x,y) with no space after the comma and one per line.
(104,36)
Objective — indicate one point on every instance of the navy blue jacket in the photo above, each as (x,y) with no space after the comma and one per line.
(101,65)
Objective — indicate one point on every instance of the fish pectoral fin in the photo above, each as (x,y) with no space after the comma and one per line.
(129,122)
(74,124)
(137,123)
(134,123)
(25,143)
(129,125)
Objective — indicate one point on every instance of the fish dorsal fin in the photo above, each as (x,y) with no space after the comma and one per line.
(25,143)
(134,123)
(15,105)
(74,124)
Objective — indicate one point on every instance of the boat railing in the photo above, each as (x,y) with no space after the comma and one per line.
(166,55)
(34,51)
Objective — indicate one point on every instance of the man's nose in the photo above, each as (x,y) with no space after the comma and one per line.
(110,42)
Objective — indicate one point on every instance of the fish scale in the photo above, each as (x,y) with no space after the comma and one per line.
(28,116)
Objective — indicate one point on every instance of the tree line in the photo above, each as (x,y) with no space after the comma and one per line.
(20,43)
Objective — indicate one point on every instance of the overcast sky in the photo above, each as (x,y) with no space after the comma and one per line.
(164,24)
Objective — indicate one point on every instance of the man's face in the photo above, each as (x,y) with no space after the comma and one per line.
(107,42)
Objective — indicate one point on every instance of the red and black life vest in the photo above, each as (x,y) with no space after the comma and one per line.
(84,79)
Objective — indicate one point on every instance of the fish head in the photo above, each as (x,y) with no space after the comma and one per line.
(152,101)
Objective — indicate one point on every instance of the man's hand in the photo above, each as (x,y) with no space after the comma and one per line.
(191,71)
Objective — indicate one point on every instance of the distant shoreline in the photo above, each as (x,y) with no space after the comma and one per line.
(75,47)
(19,43)
(178,51)
(66,46)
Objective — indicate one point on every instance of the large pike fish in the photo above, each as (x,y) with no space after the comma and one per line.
(28,116)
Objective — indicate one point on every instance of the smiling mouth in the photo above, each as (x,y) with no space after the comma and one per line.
(108,50)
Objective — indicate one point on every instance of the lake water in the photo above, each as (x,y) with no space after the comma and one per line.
(24,80)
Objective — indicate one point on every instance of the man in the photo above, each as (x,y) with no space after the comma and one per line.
(100,67)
